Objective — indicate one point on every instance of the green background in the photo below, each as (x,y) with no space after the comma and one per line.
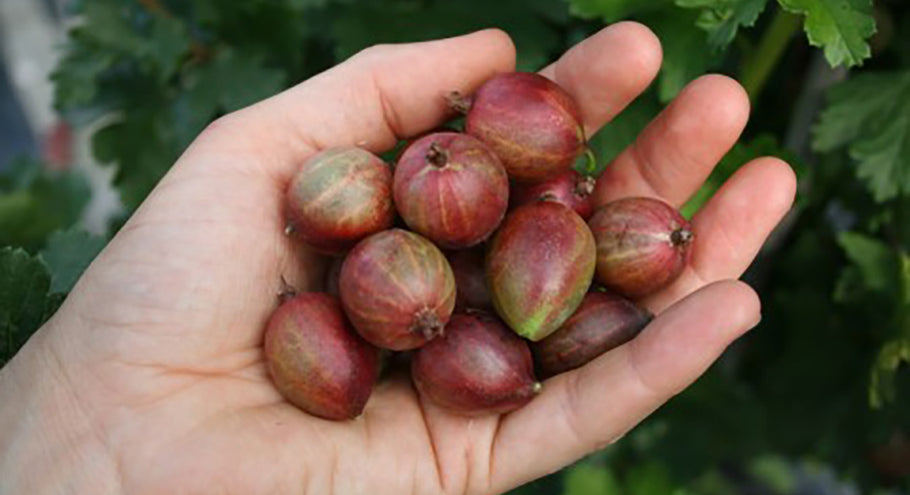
(815,400)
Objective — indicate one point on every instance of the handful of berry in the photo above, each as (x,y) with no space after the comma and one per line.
(523,245)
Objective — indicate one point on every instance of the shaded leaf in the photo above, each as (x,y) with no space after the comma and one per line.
(614,10)
(113,36)
(136,146)
(884,158)
(231,81)
(685,49)
(67,254)
(649,478)
(158,42)
(24,302)
(870,114)
(877,264)
(36,201)
(890,358)
(110,23)
(674,437)
(76,76)
(168,43)
(775,472)
(586,478)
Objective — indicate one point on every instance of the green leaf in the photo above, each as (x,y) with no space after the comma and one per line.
(890,358)
(36,201)
(24,302)
(840,27)
(876,266)
(111,33)
(885,158)
(232,80)
(76,76)
(107,23)
(775,472)
(720,403)
(614,10)
(586,478)
(871,115)
(67,254)
(896,352)
(619,133)
(20,174)
(114,27)
(649,478)
(739,155)
(686,51)
(723,18)
(137,146)
(853,106)
(167,45)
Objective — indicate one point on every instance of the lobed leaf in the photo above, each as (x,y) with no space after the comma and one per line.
(135,146)
(67,254)
(24,301)
(686,52)
(870,115)
(36,201)
(890,358)
(876,264)
(840,27)
(723,18)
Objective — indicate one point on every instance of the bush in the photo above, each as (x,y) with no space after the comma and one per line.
(821,386)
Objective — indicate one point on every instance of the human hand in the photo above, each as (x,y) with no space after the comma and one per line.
(150,378)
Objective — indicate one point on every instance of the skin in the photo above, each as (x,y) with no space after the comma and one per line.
(150,378)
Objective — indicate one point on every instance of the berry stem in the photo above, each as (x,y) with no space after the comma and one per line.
(287,291)
(437,156)
(427,324)
(459,102)
(681,237)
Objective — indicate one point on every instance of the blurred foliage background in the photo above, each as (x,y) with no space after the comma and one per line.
(816,400)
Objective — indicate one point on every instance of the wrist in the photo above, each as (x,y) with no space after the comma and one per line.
(48,444)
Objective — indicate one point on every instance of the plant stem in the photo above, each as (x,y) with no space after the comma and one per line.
(759,65)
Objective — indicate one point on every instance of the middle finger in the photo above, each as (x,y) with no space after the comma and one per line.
(676,152)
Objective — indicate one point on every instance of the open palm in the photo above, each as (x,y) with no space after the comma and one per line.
(151,377)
